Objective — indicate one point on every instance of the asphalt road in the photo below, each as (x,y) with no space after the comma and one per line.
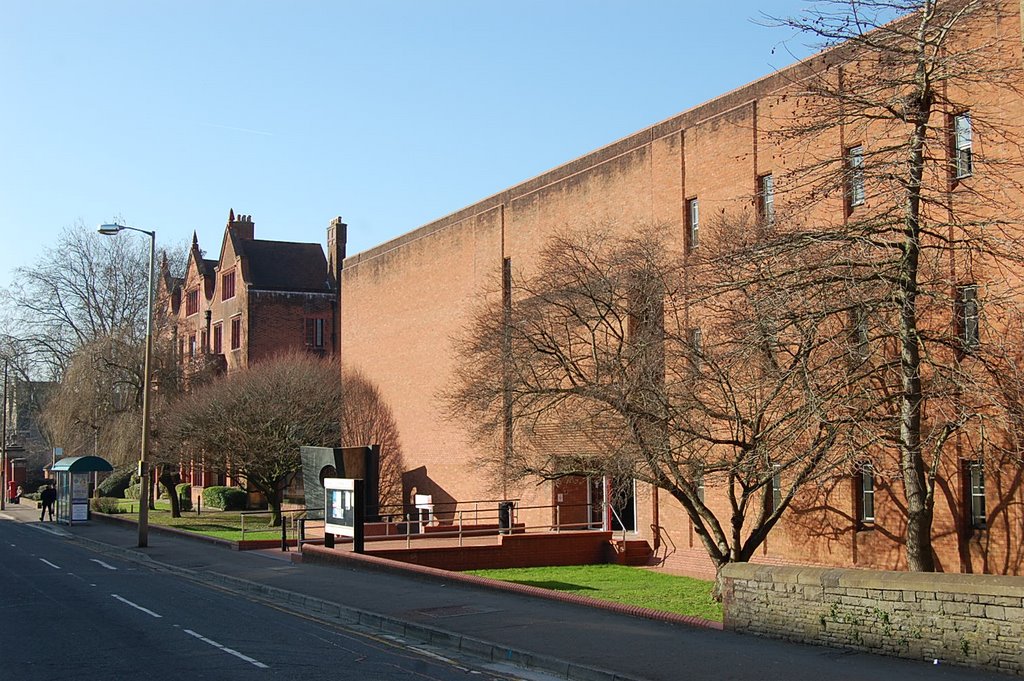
(69,613)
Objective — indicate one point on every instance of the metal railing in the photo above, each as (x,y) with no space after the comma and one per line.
(476,520)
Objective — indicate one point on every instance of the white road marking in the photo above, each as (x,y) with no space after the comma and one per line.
(137,607)
(109,567)
(229,651)
(56,567)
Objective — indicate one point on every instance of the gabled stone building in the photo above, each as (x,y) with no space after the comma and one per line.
(257,299)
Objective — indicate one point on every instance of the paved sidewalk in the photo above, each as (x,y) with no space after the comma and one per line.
(568,639)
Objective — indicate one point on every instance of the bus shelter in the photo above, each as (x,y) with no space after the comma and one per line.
(73,475)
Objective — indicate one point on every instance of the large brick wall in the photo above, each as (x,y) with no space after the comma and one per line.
(973,620)
(406,301)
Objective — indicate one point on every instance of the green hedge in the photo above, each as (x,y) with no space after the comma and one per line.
(224,498)
(184,492)
(105,505)
(116,483)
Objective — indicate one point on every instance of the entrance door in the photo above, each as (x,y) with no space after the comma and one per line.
(613,503)
(571,503)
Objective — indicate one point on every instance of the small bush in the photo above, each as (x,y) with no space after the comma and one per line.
(184,492)
(224,498)
(116,483)
(105,505)
(132,491)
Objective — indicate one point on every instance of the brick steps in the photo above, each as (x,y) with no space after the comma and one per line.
(631,551)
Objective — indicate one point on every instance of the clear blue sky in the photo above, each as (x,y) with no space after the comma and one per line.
(166,114)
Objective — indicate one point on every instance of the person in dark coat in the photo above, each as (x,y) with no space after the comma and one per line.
(47,496)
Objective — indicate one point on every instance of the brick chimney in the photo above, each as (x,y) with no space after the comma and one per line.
(241,225)
(337,237)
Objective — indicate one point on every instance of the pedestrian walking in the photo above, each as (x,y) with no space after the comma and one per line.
(17,496)
(48,496)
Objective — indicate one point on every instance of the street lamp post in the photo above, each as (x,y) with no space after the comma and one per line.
(111,230)
(3,444)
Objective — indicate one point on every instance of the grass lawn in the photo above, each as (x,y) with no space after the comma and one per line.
(622,584)
(212,523)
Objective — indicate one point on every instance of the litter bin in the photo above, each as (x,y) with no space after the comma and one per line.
(505,509)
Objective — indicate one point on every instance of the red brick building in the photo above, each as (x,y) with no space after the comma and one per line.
(259,298)
(404,301)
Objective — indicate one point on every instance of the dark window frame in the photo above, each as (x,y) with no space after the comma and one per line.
(968,317)
(236,333)
(191,302)
(766,198)
(227,285)
(962,153)
(316,332)
(854,163)
(692,224)
(974,489)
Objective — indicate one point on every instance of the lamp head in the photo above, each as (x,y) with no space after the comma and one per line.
(110,229)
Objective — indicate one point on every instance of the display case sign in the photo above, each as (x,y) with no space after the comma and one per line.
(343,509)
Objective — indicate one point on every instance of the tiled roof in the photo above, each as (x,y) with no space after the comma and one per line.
(286,266)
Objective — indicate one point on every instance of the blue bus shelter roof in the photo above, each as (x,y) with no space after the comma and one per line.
(81,464)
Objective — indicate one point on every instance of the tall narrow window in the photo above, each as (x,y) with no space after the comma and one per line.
(859,333)
(192,302)
(867,494)
(967,316)
(963,158)
(236,333)
(855,176)
(696,347)
(976,490)
(766,198)
(192,345)
(692,224)
(776,489)
(315,333)
(218,338)
(227,285)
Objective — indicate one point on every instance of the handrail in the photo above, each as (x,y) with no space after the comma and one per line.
(617,517)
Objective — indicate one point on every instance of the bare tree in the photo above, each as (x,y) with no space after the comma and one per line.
(83,288)
(367,420)
(928,236)
(253,421)
(597,364)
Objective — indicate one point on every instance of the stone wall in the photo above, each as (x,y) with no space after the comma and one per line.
(973,620)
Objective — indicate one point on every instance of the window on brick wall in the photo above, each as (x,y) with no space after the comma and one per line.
(974,476)
(218,338)
(963,155)
(315,332)
(192,302)
(854,176)
(866,494)
(227,285)
(766,198)
(236,333)
(192,345)
(967,316)
(696,338)
(692,224)
(776,489)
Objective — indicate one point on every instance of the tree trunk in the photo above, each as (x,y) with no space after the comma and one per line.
(915,483)
(170,481)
